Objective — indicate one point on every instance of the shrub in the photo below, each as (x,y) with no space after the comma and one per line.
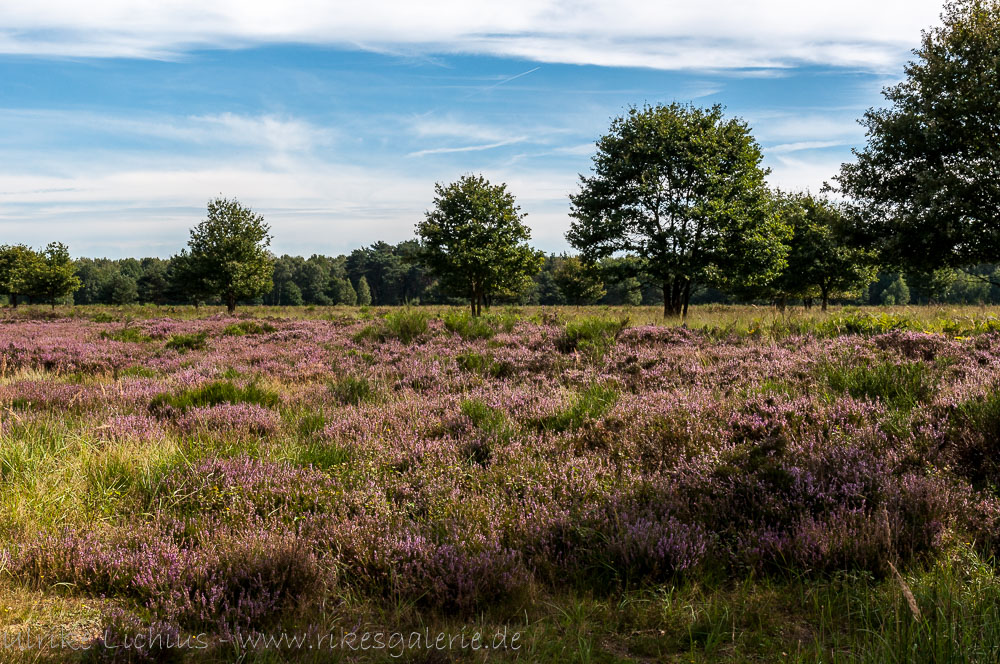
(185,342)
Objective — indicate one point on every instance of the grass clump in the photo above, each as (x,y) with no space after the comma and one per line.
(185,342)
(126,334)
(406,325)
(483,365)
(471,328)
(353,390)
(902,385)
(213,394)
(592,336)
(591,404)
(243,328)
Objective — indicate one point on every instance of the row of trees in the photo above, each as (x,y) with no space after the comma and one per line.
(677,199)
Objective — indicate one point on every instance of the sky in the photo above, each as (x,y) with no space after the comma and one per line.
(121,119)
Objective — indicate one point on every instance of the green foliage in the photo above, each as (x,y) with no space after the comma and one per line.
(475,242)
(129,334)
(185,342)
(17,265)
(470,327)
(52,276)
(681,189)
(925,187)
(246,327)
(820,263)
(228,253)
(901,385)
(485,365)
(364,292)
(407,325)
(484,417)
(897,293)
(353,390)
(213,394)
(590,404)
(579,282)
(591,335)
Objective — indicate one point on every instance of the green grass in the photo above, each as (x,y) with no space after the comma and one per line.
(590,336)
(471,328)
(185,342)
(901,385)
(127,334)
(590,404)
(247,327)
(353,390)
(213,394)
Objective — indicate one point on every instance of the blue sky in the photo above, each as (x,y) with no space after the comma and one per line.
(120,120)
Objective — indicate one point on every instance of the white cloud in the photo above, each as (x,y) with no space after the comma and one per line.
(671,34)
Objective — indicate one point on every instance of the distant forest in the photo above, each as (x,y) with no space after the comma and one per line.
(387,274)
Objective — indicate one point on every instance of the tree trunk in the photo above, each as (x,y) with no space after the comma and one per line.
(13,299)
(781,303)
(807,302)
(671,298)
(687,298)
(472,304)
(826,298)
(231,303)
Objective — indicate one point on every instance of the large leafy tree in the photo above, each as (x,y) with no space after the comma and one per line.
(475,241)
(821,262)
(926,188)
(682,189)
(53,276)
(228,253)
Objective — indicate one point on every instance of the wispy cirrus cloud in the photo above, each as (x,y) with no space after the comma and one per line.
(673,34)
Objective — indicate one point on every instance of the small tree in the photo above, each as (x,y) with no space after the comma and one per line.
(53,278)
(123,290)
(897,293)
(681,189)
(820,261)
(229,252)
(364,292)
(17,265)
(475,242)
(579,282)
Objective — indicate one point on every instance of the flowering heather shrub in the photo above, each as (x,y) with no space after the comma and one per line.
(230,419)
(491,463)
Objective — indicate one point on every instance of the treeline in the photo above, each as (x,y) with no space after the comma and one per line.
(382,274)
(388,274)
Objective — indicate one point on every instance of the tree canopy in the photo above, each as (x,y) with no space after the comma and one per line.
(926,188)
(475,241)
(682,189)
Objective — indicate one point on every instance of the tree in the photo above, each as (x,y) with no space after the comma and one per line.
(897,293)
(682,189)
(53,277)
(17,263)
(579,282)
(364,292)
(123,290)
(229,252)
(820,261)
(926,188)
(475,242)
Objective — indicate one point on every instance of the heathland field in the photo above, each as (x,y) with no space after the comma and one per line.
(754,486)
